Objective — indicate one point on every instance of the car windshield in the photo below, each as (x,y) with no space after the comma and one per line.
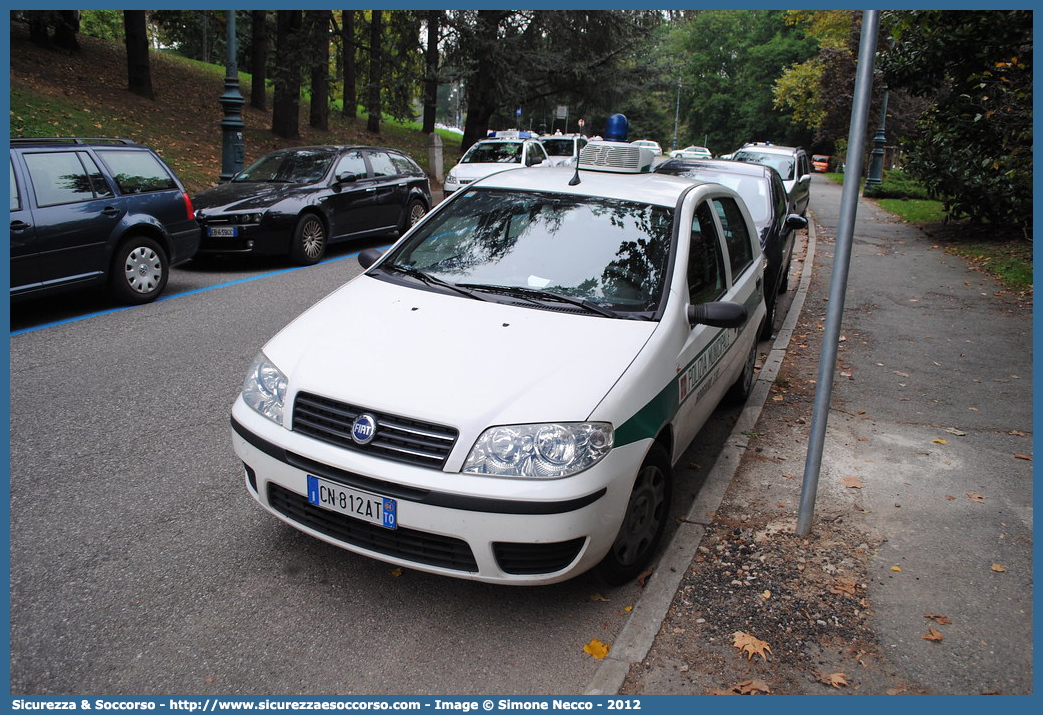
(558,147)
(304,166)
(494,153)
(608,252)
(781,164)
(755,191)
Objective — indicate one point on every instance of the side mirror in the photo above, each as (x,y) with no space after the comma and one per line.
(345,177)
(369,256)
(795,222)
(717,314)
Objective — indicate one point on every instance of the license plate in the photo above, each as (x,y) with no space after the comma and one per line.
(381,511)
(222,231)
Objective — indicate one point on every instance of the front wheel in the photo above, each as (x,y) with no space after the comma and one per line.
(768,328)
(139,270)
(643,523)
(309,241)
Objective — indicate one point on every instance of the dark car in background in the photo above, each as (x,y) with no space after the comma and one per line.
(87,212)
(297,201)
(768,202)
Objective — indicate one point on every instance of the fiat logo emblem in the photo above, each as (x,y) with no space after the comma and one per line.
(364,429)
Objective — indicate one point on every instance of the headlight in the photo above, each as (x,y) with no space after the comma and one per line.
(249,218)
(264,388)
(543,451)
(450,178)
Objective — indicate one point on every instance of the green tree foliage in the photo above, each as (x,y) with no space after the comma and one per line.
(975,148)
(538,59)
(104,24)
(729,62)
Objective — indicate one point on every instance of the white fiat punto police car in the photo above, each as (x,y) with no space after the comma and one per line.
(501,395)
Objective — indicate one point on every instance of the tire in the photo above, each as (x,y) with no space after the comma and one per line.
(739,392)
(771,302)
(415,211)
(139,272)
(642,529)
(309,241)
(784,283)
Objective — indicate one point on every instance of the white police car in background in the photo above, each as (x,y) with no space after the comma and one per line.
(509,149)
(502,394)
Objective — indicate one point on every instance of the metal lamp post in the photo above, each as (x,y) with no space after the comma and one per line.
(876,161)
(232,102)
(677,112)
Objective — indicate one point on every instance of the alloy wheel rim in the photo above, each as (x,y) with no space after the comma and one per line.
(312,239)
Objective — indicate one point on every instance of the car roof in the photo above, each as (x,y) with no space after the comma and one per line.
(659,189)
(731,167)
(769,148)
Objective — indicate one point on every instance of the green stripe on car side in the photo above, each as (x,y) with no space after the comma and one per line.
(647,422)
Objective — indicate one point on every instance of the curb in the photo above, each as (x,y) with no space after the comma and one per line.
(638,635)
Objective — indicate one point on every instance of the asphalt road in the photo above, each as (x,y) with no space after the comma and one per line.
(140,565)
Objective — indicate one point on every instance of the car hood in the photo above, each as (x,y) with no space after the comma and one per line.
(452,360)
(245,196)
(473,172)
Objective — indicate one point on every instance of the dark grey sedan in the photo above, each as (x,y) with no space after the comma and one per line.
(297,201)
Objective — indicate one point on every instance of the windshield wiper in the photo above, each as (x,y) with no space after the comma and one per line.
(534,295)
(431,280)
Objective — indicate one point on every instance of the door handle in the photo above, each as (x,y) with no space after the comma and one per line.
(20,225)
(110,211)
(759,282)
(371,190)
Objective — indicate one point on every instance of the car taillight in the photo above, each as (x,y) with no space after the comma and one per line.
(188,205)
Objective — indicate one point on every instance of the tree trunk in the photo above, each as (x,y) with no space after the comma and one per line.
(350,101)
(65,29)
(258,59)
(376,29)
(286,107)
(431,70)
(39,30)
(139,74)
(319,42)
(481,86)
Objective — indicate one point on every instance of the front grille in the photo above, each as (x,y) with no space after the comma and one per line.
(399,438)
(409,544)
(536,558)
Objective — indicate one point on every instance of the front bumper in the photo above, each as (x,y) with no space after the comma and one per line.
(263,239)
(490,529)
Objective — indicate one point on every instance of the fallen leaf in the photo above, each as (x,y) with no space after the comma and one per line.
(932,635)
(896,569)
(940,618)
(1023,456)
(750,645)
(949,497)
(843,587)
(766,595)
(598,597)
(837,680)
(939,441)
(901,374)
(597,649)
(1017,433)
(628,609)
(957,432)
(752,687)
(852,482)
(998,569)
(396,573)
(643,577)
(975,496)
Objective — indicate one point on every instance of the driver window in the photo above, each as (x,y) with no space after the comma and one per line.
(705,262)
(353,163)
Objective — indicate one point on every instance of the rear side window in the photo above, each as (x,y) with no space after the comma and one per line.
(382,164)
(137,172)
(740,253)
(404,164)
(705,262)
(65,178)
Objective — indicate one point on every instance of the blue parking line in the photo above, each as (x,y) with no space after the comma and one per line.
(175,295)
